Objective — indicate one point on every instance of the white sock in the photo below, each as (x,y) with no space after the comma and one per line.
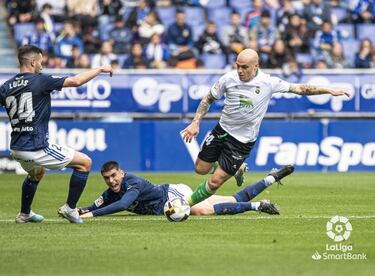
(255,205)
(208,189)
(269,180)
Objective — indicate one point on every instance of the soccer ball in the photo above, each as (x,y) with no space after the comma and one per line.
(177,209)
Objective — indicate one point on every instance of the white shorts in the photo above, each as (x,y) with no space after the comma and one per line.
(179,190)
(54,157)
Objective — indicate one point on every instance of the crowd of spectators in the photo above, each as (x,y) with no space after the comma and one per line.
(139,34)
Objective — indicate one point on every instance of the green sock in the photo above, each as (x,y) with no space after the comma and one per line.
(200,194)
(213,168)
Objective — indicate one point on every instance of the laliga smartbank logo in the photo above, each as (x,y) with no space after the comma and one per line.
(338,229)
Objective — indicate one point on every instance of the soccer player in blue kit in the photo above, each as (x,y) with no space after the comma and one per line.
(135,194)
(27,100)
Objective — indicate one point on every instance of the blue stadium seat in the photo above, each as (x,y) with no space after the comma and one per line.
(21,30)
(239,5)
(350,47)
(213,61)
(346,31)
(197,31)
(340,13)
(366,31)
(104,31)
(167,15)
(221,16)
(304,59)
(195,16)
(215,4)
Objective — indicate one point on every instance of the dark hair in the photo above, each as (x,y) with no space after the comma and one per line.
(110,165)
(24,53)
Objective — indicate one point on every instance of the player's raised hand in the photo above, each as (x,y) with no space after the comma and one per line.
(339,92)
(191,131)
(107,69)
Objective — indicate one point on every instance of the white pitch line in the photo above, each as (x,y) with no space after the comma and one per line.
(160,218)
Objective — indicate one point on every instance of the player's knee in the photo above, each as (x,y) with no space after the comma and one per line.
(85,164)
(37,175)
(200,170)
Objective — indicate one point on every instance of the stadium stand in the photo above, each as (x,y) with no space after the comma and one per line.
(343,15)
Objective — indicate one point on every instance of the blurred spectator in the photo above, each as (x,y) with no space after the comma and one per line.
(46,14)
(209,42)
(265,34)
(364,57)
(105,56)
(137,59)
(325,38)
(291,70)
(115,64)
(58,12)
(235,37)
(109,10)
(336,58)
(39,38)
(121,37)
(284,15)
(66,40)
(83,61)
(180,38)
(74,60)
(296,35)
(20,11)
(315,13)
(253,16)
(138,14)
(91,39)
(84,12)
(55,62)
(279,55)
(157,53)
(363,11)
(150,25)
(321,64)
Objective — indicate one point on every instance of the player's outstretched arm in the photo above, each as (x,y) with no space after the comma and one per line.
(309,90)
(193,129)
(86,76)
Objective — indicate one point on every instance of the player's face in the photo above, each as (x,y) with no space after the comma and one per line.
(36,62)
(113,179)
(246,71)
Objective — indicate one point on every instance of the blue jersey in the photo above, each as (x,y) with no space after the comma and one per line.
(137,195)
(27,100)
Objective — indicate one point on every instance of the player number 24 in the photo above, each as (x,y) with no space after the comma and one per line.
(24,108)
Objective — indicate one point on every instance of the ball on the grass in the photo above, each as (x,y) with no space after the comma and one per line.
(177,209)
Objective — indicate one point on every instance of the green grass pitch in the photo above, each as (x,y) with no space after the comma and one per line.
(246,244)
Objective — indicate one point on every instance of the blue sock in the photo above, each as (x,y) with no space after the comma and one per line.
(76,186)
(251,191)
(28,191)
(231,208)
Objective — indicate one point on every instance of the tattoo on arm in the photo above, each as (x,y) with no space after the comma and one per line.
(203,107)
(307,89)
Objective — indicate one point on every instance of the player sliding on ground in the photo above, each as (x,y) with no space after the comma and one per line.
(27,100)
(135,194)
(247,95)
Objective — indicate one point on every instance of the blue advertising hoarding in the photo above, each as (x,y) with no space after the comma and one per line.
(315,145)
(181,94)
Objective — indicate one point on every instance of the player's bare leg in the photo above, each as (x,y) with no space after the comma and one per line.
(206,207)
(203,167)
(209,187)
(29,188)
(82,166)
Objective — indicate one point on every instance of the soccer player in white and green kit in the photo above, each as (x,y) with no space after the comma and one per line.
(247,94)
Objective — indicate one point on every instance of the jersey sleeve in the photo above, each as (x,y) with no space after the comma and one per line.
(218,89)
(2,95)
(124,203)
(51,82)
(279,86)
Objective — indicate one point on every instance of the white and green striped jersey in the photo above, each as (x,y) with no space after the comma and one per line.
(246,102)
